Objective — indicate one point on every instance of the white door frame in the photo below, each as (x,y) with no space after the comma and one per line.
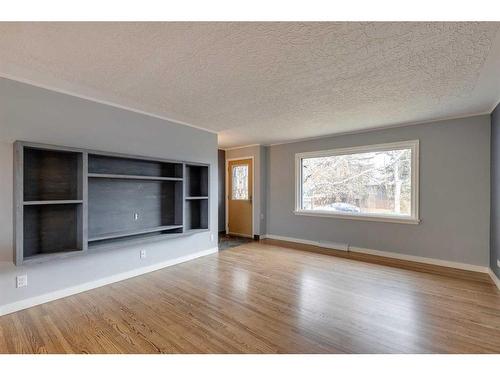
(227,193)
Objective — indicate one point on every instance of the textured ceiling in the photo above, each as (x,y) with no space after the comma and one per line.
(266,82)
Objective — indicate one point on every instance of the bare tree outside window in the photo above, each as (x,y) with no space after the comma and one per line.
(376,182)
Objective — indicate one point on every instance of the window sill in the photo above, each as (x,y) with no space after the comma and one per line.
(380,218)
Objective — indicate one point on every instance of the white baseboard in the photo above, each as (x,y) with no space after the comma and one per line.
(414,258)
(327,245)
(494,277)
(44,298)
(387,254)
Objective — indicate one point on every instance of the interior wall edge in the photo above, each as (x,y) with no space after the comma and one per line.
(494,277)
(495,191)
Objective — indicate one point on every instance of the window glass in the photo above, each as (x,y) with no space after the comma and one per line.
(364,183)
(240,182)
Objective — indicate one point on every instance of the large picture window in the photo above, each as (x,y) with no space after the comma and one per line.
(378,182)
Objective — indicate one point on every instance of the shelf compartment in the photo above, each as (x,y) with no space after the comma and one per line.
(135,232)
(132,177)
(39,203)
(51,229)
(112,165)
(196,180)
(196,214)
(51,174)
(125,206)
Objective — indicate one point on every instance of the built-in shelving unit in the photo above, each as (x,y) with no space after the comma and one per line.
(71,200)
(196,199)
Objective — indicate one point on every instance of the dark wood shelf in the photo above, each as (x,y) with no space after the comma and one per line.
(97,246)
(108,236)
(133,177)
(37,203)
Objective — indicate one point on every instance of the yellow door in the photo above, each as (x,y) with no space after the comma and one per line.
(240,177)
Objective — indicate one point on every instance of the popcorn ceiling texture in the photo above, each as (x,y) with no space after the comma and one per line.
(265,82)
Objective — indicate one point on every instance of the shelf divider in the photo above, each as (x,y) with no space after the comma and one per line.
(133,177)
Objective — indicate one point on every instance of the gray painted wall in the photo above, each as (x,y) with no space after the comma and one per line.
(454,194)
(222,190)
(495,191)
(259,154)
(38,115)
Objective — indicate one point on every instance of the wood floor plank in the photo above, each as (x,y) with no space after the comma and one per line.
(270,297)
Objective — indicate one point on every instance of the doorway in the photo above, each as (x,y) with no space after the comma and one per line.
(239,197)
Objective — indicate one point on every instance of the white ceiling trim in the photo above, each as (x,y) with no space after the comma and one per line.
(333,135)
(100,101)
(239,147)
(402,125)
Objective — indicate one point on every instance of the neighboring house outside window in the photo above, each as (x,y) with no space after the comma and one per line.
(377,182)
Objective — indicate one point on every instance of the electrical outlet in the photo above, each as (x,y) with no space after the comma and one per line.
(143,254)
(136,216)
(21,281)
(261,216)
(498,263)
(212,237)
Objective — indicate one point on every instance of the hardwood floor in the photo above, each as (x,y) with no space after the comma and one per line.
(264,298)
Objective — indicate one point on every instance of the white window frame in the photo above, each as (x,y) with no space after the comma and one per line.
(411,219)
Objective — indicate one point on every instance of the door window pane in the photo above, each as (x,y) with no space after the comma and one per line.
(240,182)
